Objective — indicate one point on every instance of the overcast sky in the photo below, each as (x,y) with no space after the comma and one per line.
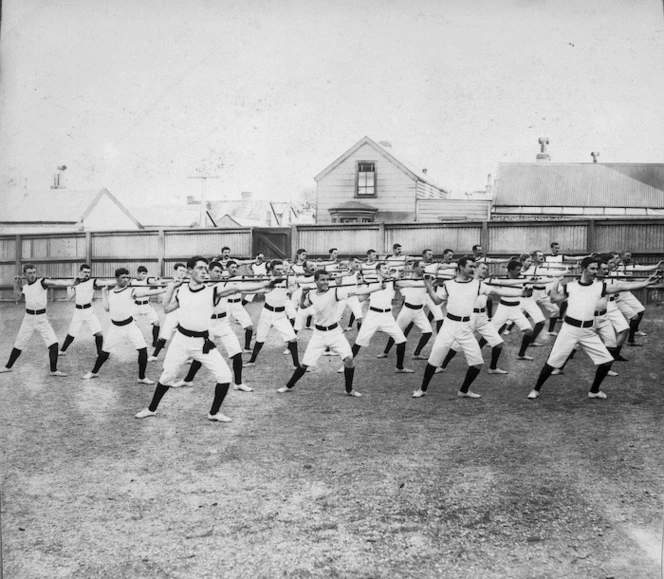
(139,95)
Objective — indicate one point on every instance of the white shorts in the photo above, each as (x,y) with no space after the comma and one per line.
(504,313)
(617,319)
(291,312)
(236,309)
(268,319)
(606,331)
(377,321)
(629,305)
(31,324)
(169,326)
(220,331)
(181,349)
(481,324)
(435,310)
(543,300)
(116,335)
(569,336)
(148,311)
(461,334)
(85,317)
(529,307)
(355,306)
(321,340)
(416,316)
(301,317)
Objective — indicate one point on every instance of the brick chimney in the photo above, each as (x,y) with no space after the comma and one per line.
(543,155)
(594,155)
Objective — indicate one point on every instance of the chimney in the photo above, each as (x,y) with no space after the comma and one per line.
(424,171)
(246,195)
(58,181)
(191,200)
(543,155)
(594,156)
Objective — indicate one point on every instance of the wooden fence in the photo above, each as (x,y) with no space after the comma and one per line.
(60,254)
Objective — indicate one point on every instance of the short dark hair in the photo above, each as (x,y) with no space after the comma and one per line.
(513,264)
(224,248)
(463,261)
(554,243)
(121,271)
(448,251)
(214,264)
(396,245)
(424,251)
(586,261)
(332,249)
(318,273)
(370,251)
(86,266)
(300,251)
(476,246)
(142,268)
(28,266)
(273,263)
(192,261)
(231,262)
(524,256)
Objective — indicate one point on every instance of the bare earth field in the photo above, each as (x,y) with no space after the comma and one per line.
(317,484)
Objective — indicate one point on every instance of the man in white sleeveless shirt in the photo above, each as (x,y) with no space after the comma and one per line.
(195,303)
(119,302)
(582,297)
(35,320)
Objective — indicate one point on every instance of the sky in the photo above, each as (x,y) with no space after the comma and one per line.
(142,96)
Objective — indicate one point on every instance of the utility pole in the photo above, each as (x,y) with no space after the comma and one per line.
(203,211)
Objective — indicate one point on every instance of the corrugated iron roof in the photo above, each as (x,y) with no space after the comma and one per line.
(53,205)
(442,209)
(580,185)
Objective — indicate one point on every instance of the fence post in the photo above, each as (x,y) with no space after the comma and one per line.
(19,258)
(383,239)
(590,236)
(88,247)
(294,240)
(161,252)
(484,236)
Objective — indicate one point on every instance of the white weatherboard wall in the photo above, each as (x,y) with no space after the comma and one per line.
(395,190)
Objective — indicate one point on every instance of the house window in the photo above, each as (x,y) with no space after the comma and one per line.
(366,179)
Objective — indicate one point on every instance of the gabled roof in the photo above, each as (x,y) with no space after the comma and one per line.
(405,166)
(580,185)
(61,206)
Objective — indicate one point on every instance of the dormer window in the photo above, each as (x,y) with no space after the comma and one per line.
(366,179)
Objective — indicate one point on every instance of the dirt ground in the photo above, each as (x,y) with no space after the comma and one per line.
(317,484)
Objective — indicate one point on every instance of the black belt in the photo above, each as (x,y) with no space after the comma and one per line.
(479,310)
(235,301)
(458,318)
(539,287)
(413,306)
(207,344)
(600,313)
(141,303)
(326,328)
(509,304)
(83,307)
(380,311)
(218,316)
(126,322)
(35,312)
(280,309)
(579,323)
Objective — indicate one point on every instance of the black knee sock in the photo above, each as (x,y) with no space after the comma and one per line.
(527,338)
(53,356)
(142,362)
(600,374)
(237,368)
(401,354)
(618,356)
(563,309)
(155,335)
(159,392)
(308,322)
(639,317)
(471,374)
(99,342)
(355,349)
(424,340)
(449,357)
(388,346)
(351,320)
(159,347)
(496,351)
(482,342)
(633,326)
(68,340)
(489,308)
(193,370)
(257,349)
(244,302)
(299,372)
(101,358)
(220,391)
(292,346)
(15,353)
(539,326)
(359,324)
(552,323)
(408,329)
(248,333)
(429,371)
(439,325)
(292,321)
(429,316)
(348,377)
(544,374)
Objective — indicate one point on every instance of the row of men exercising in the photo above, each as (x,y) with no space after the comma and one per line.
(411,314)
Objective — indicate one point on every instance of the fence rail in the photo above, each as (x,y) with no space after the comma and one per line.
(60,254)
